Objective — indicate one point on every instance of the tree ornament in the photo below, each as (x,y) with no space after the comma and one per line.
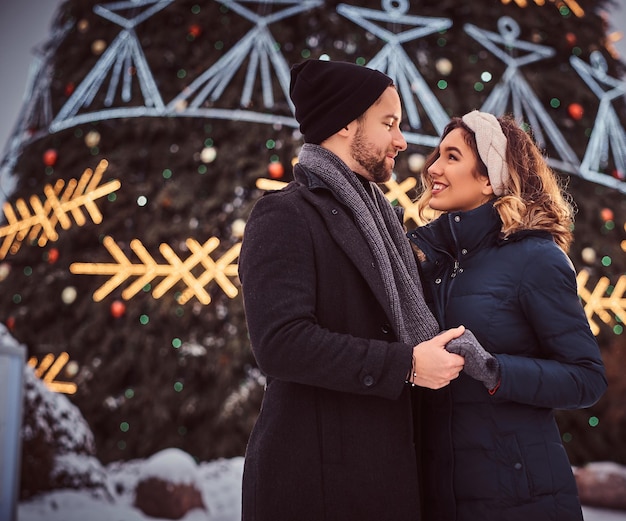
(92,138)
(571,39)
(68,295)
(208,154)
(238,227)
(606,214)
(50,157)
(118,309)
(444,66)
(53,255)
(98,47)
(5,269)
(416,162)
(276,170)
(194,30)
(69,88)
(82,26)
(588,255)
(575,111)
(10,323)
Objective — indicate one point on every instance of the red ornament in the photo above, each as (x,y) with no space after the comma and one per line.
(195,30)
(606,214)
(10,323)
(50,157)
(53,255)
(618,175)
(118,308)
(276,170)
(576,111)
(69,88)
(571,39)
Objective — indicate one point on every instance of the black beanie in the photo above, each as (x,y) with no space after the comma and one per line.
(329,95)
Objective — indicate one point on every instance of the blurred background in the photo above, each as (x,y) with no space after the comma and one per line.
(177,112)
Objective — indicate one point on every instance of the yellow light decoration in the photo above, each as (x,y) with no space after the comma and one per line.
(596,302)
(269,184)
(395,192)
(177,270)
(572,5)
(48,369)
(41,224)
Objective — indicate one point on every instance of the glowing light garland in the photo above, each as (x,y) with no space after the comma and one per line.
(59,205)
(265,61)
(176,271)
(48,368)
(607,129)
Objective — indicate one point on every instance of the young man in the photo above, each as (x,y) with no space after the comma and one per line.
(336,315)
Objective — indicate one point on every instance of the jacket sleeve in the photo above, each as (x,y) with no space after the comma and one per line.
(570,373)
(277,269)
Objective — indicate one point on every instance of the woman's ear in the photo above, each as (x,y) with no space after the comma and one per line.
(487,188)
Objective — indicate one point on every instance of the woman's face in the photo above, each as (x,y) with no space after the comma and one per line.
(456,185)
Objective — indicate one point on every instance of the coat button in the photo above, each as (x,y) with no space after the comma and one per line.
(385,328)
(368,381)
(518,466)
(437,281)
(457,218)
(334,211)
(463,251)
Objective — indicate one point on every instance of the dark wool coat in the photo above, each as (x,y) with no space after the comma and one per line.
(500,457)
(334,438)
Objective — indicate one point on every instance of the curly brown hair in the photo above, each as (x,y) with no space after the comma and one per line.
(534,197)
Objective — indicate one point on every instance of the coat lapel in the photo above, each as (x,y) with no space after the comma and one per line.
(343,230)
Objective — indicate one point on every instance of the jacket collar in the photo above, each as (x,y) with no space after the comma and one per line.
(461,231)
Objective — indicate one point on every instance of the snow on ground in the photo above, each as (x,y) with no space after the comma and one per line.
(220,483)
(221,489)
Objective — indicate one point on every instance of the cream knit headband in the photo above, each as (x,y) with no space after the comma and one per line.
(491,144)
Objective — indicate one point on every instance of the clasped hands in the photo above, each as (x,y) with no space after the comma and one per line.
(440,360)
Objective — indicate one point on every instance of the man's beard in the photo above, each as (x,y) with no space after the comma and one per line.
(366,155)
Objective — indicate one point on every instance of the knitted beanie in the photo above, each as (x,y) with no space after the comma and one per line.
(328,95)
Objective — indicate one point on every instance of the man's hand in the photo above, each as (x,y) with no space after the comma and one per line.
(433,366)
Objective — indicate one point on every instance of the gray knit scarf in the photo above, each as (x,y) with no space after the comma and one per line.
(379,224)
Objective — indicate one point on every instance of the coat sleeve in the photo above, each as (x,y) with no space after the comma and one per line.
(570,372)
(278,272)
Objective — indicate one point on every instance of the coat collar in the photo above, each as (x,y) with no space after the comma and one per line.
(339,223)
(460,231)
(466,231)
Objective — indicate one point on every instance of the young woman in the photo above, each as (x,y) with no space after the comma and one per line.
(495,260)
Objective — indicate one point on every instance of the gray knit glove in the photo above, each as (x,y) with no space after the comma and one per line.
(479,364)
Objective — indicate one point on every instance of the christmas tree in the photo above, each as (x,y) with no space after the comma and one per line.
(152,127)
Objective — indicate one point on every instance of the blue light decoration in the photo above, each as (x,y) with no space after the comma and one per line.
(260,53)
(393,60)
(524,104)
(607,129)
(119,58)
(260,47)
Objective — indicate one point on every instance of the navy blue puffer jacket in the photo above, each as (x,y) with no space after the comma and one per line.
(500,457)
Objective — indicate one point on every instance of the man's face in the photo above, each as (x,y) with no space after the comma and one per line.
(378,139)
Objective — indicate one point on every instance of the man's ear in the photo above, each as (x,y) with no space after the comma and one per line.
(344,131)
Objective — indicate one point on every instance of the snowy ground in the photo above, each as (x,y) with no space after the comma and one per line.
(220,481)
(221,490)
